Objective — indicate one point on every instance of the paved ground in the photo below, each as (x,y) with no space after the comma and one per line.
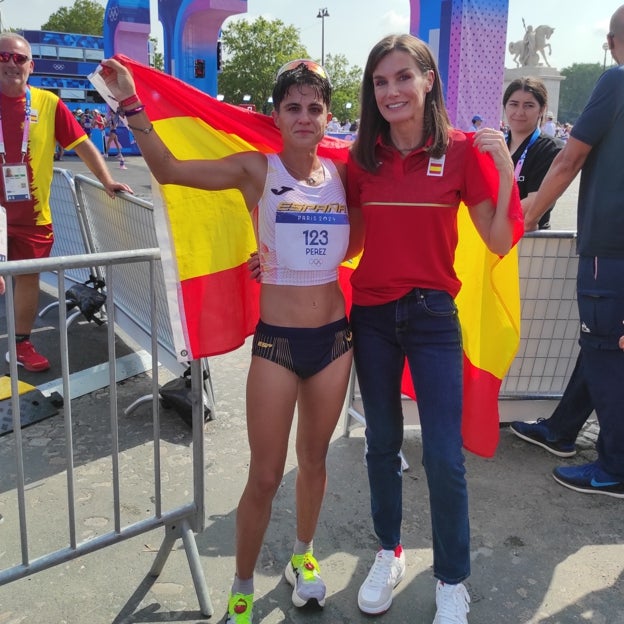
(540,553)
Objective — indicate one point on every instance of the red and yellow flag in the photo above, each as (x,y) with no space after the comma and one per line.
(206,238)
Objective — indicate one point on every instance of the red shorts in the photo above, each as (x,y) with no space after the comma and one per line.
(26,242)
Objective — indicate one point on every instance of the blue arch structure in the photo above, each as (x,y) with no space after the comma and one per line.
(195,34)
(190,31)
(468,37)
(127,29)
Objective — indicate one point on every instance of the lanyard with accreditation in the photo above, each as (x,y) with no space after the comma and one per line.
(522,158)
(15,175)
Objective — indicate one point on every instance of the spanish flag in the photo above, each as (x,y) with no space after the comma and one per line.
(206,239)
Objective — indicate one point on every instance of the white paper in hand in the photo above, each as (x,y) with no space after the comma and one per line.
(102,88)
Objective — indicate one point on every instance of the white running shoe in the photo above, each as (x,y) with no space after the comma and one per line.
(452,602)
(375,595)
(303,573)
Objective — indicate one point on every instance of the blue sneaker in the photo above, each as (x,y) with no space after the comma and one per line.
(539,434)
(589,479)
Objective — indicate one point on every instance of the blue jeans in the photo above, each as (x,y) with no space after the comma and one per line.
(422,326)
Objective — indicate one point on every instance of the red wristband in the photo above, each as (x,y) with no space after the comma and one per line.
(133,99)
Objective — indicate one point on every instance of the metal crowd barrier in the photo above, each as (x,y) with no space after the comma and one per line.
(549,330)
(121,223)
(71,237)
(548,349)
(127,222)
(180,521)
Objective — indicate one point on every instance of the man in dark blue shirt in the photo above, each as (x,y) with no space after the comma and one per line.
(595,149)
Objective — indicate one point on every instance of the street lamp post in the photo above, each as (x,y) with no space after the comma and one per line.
(322,14)
(605,47)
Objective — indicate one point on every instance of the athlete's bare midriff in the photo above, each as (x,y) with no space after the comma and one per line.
(301,306)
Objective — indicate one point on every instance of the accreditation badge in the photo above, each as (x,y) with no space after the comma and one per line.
(15,178)
(3,235)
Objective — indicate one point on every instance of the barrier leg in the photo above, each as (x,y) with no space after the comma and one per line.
(183,530)
(146,398)
(171,535)
(199,579)
(70,317)
(47,308)
(207,394)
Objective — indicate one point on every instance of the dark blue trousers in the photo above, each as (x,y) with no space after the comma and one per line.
(600,292)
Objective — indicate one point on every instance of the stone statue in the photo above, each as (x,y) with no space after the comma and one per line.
(526,53)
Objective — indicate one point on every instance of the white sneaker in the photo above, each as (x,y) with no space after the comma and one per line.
(452,602)
(303,573)
(375,595)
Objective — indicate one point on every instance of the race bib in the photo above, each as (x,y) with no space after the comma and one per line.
(308,241)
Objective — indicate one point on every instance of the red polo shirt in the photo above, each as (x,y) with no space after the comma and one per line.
(410,209)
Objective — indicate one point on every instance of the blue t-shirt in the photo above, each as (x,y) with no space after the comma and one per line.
(600,216)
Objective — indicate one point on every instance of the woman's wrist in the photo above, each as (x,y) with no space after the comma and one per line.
(133,111)
(128,102)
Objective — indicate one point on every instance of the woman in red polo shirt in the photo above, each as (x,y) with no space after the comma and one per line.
(408,172)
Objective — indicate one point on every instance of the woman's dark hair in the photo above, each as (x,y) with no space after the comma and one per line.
(436,122)
(301,76)
(532,85)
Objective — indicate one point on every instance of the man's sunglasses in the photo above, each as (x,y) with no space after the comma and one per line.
(18,59)
(310,65)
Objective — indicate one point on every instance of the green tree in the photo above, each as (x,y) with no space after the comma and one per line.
(85,17)
(253,51)
(580,79)
(346,83)
(157,59)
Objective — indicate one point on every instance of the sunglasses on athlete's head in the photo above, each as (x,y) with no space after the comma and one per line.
(18,59)
(310,65)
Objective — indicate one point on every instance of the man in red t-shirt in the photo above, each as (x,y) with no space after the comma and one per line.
(35,119)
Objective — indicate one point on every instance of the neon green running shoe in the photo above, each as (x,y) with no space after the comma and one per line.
(240,607)
(303,573)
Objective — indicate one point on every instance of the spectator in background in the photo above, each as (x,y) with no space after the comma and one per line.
(29,222)
(59,151)
(114,121)
(99,120)
(564,132)
(549,127)
(334,125)
(87,122)
(477,122)
(532,152)
(524,102)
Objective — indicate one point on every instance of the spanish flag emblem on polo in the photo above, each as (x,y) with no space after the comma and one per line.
(206,239)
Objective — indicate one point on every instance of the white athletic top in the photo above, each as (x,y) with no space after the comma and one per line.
(302,231)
